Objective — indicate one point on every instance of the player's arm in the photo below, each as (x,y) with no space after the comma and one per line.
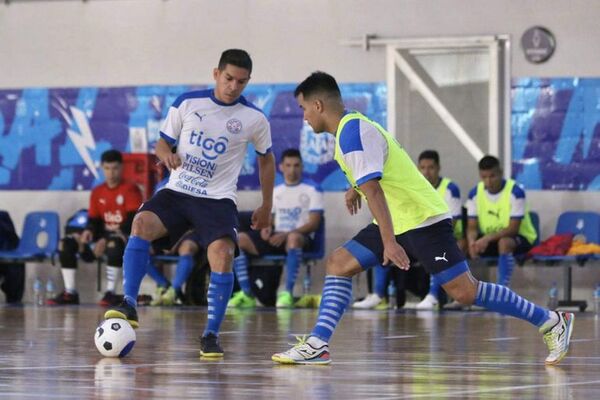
(95,225)
(261,217)
(165,154)
(377,203)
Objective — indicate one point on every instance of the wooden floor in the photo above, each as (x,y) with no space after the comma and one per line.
(50,353)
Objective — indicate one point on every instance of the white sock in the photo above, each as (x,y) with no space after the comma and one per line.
(68,275)
(112,274)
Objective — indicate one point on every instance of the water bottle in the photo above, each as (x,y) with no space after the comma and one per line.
(597,300)
(553,297)
(50,289)
(391,291)
(306,281)
(38,292)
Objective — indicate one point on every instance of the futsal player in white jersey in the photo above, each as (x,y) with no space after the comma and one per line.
(297,209)
(211,129)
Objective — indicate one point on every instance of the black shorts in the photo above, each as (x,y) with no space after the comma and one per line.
(434,246)
(211,219)
(523,246)
(265,247)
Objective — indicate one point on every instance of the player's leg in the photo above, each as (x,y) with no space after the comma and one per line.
(115,246)
(293,246)
(506,260)
(67,255)
(220,257)
(188,249)
(244,298)
(452,271)
(377,298)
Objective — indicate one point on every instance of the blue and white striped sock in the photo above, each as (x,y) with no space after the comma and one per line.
(504,301)
(506,264)
(219,292)
(337,293)
(240,266)
(135,261)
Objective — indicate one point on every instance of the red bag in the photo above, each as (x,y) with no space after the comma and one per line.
(555,245)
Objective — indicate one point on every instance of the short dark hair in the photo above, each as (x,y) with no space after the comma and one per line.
(291,153)
(111,156)
(430,155)
(238,57)
(488,162)
(318,82)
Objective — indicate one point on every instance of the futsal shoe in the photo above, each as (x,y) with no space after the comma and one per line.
(110,299)
(124,311)
(428,303)
(209,346)
(454,306)
(171,297)
(241,300)
(371,301)
(306,351)
(285,300)
(558,337)
(160,290)
(63,299)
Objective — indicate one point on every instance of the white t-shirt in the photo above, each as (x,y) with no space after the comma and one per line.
(211,139)
(452,198)
(292,204)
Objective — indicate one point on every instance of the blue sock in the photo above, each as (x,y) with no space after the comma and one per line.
(434,286)
(506,264)
(381,277)
(183,270)
(506,302)
(337,293)
(219,292)
(156,275)
(135,261)
(292,264)
(240,267)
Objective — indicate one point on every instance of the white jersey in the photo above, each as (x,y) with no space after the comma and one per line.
(211,139)
(292,204)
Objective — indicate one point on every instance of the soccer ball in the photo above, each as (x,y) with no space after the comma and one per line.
(114,337)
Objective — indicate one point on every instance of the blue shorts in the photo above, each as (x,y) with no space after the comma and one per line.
(434,246)
(211,219)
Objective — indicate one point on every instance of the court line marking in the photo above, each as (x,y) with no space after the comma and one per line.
(499,339)
(400,337)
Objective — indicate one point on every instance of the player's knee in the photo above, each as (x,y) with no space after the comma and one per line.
(335,265)
(187,248)
(115,247)
(67,252)
(464,295)
(220,253)
(142,227)
(506,245)
(294,240)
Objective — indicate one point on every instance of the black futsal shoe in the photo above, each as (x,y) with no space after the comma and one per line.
(124,311)
(209,346)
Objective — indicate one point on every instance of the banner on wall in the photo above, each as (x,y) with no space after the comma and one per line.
(52,139)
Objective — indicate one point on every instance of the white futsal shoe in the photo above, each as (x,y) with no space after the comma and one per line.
(309,350)
(371,301)
(558,337)
(428,303)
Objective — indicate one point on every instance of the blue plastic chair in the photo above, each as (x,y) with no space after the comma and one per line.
(39,240)
(586,224)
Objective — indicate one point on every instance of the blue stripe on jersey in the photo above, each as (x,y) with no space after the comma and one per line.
(220,103)
(473,193)
(454,190)
(368,177)
(265,153)
(350,137)
(518,191)
(168,138)
(198,94)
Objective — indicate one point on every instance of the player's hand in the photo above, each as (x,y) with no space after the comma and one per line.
(86,236)
(395,254)
(171,161)
(261,218)
(265,233)
(278,239)
(353,202)
(473,253)
(100,247)
(482,244)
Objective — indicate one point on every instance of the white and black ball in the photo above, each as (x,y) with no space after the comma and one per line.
(114,337)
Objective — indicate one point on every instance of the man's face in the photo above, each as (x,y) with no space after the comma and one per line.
(430,170)
(230,83)
(291,168)
(492,179)
(113,172)
(312,112)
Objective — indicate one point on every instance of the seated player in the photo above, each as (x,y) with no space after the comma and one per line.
(297,208)
(499,221)
(112,207)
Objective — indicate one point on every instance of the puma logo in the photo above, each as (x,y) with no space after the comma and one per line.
(495,214)
(200,116)
(442,258)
